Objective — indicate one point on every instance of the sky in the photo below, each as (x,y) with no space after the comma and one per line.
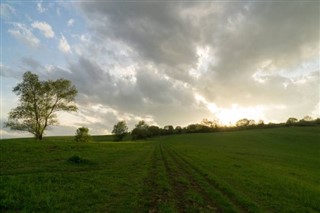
(165,62)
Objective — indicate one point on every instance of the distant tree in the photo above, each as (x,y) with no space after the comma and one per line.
(168,130)
(142,124)
(140,131)
(120,130)
(82,135)
(38,103)
(260,123)
(291,121)
(195,128)
(211,124)
(252,123)
(306,121)
(154,130)
(307,118)
(191,128)
(243,122)
(178,129)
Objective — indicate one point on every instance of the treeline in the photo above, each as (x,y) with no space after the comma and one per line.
(142,130)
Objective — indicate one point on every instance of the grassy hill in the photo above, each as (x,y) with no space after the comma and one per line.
(265,170)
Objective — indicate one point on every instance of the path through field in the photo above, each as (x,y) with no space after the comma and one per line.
(174,184)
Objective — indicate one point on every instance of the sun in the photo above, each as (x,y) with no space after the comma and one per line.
(229,116)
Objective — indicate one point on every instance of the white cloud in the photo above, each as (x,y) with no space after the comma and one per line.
(40,8)
(316,111)
(205,59)
(45,28)
(7,11)
(70,22)
(64,45)
(22,32)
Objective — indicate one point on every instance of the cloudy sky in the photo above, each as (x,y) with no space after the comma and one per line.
(166,62)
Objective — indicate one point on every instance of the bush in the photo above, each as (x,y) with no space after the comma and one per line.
(76,159)
(82,135)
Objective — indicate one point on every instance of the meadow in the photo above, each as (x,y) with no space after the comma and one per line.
(261,170)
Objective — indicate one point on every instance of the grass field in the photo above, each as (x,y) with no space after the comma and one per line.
(266,170)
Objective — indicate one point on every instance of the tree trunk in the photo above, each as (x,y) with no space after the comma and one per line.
(39,136)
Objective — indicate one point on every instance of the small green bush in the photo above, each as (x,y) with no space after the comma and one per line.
(76,159)
(82,135)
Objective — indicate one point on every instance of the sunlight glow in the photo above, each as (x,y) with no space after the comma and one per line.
(229,116)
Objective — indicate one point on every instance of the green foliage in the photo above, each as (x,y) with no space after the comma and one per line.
(168,130)
(291,121)
(211,124)
(142,125)
(197,128)
(39,102)
(140,131)
(120,130)
(178,129)
(154,130)
(243,122)
(307,118)
(82,135)
(77,160)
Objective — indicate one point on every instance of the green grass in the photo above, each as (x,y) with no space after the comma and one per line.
(265,170)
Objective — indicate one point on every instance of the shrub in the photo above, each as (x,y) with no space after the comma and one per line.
(76,159)
(82,135)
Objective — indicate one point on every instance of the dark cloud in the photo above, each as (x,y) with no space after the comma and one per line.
(154,29)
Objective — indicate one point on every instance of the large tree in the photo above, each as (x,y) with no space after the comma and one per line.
(38,103)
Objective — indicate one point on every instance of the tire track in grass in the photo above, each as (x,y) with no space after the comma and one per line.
(177,187)
(150,190)
(215,201)
(124,195)
(189,195)
(242,204)
(156,195)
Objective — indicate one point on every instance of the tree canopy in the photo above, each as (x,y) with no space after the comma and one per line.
(120,130)
(140,131)
(38,103)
